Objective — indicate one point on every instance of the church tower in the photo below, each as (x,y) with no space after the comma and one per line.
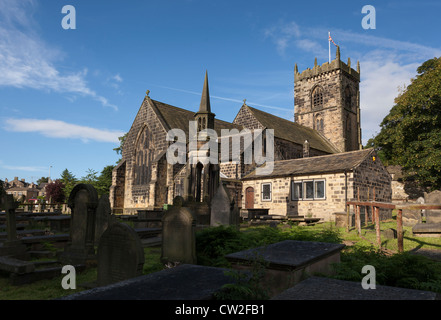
(327,99)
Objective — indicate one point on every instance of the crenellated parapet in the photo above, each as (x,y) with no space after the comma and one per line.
(326,67)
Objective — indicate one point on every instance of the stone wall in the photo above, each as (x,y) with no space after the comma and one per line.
(283,204)
(363,179)
(372,176)
(147,140)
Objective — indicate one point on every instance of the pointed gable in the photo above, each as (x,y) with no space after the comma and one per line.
(284,129)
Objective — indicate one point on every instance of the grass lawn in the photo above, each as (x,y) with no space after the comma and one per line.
(212,244)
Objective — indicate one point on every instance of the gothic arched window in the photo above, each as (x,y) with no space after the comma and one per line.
(317,98)
(319,125)
(143,158)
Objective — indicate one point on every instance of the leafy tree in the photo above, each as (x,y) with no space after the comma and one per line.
(42,180)
(55,191)
(91,177)
(410,134)
(119,150)
(69,180)
(104,180)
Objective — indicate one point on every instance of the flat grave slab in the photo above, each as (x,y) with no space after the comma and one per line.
(287,255)
(320,288)
(184,282)
(288,262)
(427,229)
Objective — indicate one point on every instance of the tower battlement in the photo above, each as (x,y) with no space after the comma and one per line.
(335,64)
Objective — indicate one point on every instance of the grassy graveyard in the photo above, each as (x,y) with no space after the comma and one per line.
(212,244)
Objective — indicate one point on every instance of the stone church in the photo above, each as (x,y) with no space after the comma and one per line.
(318,158)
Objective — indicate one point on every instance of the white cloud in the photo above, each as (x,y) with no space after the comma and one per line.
(25,168)
(379,86)
(60,129)
(386,64)
(26,61)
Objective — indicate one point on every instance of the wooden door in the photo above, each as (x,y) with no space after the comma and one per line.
(249,198)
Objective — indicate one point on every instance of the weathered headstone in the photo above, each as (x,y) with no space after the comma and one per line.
(178,234)
(12,246)
(411,217)
(120,254)
(83,201)
(433,216)
(220,207)
(103,218)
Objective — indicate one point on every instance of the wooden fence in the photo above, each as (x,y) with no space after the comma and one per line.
(375,209)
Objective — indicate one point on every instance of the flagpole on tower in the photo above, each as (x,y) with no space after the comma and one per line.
(329,43)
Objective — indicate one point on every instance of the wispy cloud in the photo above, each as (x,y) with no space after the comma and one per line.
(63,130)
(229,99)
(24,168)
(26,61)
(386,64)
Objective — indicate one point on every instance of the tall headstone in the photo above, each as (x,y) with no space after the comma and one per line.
(120,254)
(433,216)
(103,218)
(83,201)
(178,234)
(220,207)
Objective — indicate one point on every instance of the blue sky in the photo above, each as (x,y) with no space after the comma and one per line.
(67,95)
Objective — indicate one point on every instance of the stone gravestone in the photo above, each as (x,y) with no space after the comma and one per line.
(178,234)
(120,254)
(220,207)
(83,201)
(103,217)
(411,217)
(12,246)
(433,216)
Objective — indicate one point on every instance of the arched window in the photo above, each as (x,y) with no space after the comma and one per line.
(319,125)
(317,98)
(143,158)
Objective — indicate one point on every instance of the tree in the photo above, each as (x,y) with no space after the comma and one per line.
(104,180)
(55,191)
(42,180)
(119,150)
(410,134)
(90,177)
(69,181)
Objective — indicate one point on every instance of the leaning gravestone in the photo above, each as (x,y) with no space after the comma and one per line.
(83,201)
(178,234)
(433,216)
(120,254)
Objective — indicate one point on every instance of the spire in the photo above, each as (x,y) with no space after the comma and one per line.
(338,53)
(205,99)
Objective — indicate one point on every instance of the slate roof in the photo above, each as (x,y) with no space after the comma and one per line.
(338,162)
(178,118)
(291,131)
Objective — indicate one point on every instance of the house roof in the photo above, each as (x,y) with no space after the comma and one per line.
(291,131)
(178,118)
(338,162)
